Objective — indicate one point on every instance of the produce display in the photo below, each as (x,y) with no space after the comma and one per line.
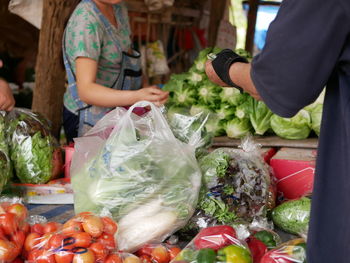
(34,151)
(138,171)
(5,162)
(293,216)
(215,244)
(236,188)
(235,114)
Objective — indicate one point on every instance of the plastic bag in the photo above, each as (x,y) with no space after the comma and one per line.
(158,253)
(215,244)
(29,10)
(235,189)
(84,237)
(293,251)
(13,228)
(140,172)
(5,162)
(293,216)
(156,60)
(35,153)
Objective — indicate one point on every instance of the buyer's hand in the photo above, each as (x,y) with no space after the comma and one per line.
(154,95)
(209,70)
(7,102)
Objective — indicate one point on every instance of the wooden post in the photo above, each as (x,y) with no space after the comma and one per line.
(50,73)
(252,14)
(217,11)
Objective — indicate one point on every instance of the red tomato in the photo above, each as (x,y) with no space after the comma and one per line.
(145,250)
(18,260)
(114,259)
(2,233)
(71,227)
(145,259)
(37,228)
(25,228)
(82,215)
(173,252)
(32,241)
(57,241)
(18,238)
(107,240)
(8,251)
(44,240)
(33,255)
(99,250)
(9,223)
(19,210)
(81,239)
(110,227)
(45,256)
(85,257)
(64,257)
(160,254)
(93,225)
(51,227)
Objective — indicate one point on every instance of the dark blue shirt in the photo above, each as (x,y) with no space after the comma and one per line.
(308,48)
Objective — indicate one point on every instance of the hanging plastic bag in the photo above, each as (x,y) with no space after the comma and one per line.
(156,59)
(5,162)
(29,10)
(35,153)
(293,251)
(140,172)
(215,244)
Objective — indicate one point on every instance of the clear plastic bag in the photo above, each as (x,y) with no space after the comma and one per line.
(215,244)
(5,162)
(236,187)
(293,216)
(293,251)
(35,153)
(140,172)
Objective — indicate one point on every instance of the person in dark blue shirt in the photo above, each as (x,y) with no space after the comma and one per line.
(308,48)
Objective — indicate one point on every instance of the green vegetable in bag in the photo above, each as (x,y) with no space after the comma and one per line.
(5,162)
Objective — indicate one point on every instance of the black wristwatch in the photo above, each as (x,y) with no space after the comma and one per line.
(222,64)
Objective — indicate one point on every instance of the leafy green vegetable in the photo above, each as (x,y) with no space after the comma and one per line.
(215,126)
(199,108)
(260,116)
(5,162)
(226,112)
(295,128)
(293,216)
(184,96)
(242,110)
(237,128)
(316,118)
(232,96)
(208,94)
(31,147)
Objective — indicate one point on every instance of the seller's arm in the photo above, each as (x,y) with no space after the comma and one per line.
(94,94)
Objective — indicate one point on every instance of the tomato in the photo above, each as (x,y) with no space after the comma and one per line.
(32,241)
(71,227)
(110,227)
(51,227)
(81,239)
(84,257)
(18,238)
(37,228)
(9,223)
(58,241)
(107,240)
(33,255)
(25,227)
(145,250)
(114,259)
(145,259)
(82,215)
(64,257)
(45,256)
(160,254)
(18,260)
(93,225)
(8,251)
(2,233)
(99,250)
(44,240)
(19,210)
(173,252)
(131,259)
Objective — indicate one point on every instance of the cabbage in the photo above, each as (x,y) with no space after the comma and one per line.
(295,128)
(184,96)
(208,94)
(242,111)
(260,116)
(316,118)
(226,112)
(237,128)
(215,126)
(232,96)
(196,109)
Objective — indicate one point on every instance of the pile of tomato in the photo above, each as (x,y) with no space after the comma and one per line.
(158,253)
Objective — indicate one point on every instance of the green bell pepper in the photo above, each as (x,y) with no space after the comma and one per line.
(268,238)
(206,255)
(234,254)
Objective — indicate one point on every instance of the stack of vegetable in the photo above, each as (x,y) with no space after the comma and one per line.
(235,114)
(5,162)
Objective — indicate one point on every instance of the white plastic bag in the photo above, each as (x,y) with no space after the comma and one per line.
(29,10)
(138,170)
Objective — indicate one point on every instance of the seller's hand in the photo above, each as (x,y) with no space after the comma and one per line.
(209,70)
(7,102)
(153,94)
